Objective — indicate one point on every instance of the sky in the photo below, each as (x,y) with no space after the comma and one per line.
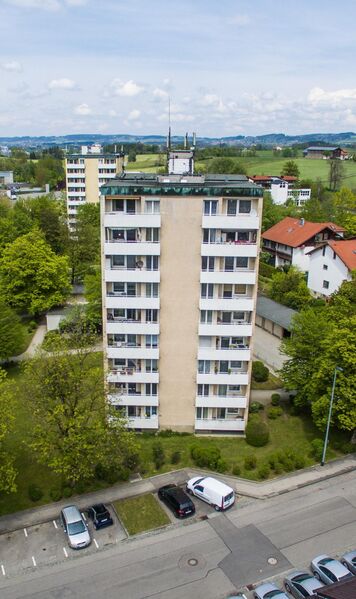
(229,67)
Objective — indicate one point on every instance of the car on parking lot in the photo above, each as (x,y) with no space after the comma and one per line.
(268,590)
(100,516)
(302,584)
(75,527)
(177,501)
(349,561)
(212,491)
(329,570)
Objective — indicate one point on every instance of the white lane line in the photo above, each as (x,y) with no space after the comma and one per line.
(96,543)
(55,524)
(65,552)
(84,517)
(3,570)
(25,531)
(34,561)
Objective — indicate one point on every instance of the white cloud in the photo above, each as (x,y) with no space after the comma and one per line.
(49,5)
(317,95)
(134,115)
(83,110)
(239,20)
(126,88)
(112,113)
(160,94)
(12,65)
(62,83)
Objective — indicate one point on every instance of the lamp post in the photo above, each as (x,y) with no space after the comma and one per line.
(337,369)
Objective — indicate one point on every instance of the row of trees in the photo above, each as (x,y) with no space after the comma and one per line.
(47,168)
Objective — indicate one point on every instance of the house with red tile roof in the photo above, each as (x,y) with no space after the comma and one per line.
(290,240)
(330,264)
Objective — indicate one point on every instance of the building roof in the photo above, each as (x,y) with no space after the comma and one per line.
(339,590)
(322,148)
(344,248)
(295,232)
(257,178)
(277,313)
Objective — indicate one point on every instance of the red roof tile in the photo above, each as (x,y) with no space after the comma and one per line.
(345,249)
(290,231)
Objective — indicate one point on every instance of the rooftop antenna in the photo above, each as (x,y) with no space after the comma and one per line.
(194,139)
(186,141)
(169,124)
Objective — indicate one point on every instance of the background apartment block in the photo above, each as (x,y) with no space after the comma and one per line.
(179,264)
(86,172)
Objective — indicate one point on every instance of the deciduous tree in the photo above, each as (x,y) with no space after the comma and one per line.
(291,169)
(11,332)
(289,288)
(7,416)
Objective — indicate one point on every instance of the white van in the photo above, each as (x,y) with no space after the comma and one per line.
(217,494)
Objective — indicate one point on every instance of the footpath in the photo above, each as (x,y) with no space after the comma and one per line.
(243,487)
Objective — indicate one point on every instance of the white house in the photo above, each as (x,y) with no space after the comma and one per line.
(282,190)
(330,265)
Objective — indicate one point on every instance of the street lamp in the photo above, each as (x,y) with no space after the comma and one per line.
(337,369)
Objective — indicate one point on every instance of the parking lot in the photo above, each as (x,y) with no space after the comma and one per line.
(46,544)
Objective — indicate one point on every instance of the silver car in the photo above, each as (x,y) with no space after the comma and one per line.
(329,570)
(75,527)
(269,591)
(349,561)
(302,584)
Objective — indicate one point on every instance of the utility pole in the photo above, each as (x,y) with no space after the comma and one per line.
(337,369)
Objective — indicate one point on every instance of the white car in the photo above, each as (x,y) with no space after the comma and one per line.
(212,491)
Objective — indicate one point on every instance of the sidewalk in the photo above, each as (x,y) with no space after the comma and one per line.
(262,490)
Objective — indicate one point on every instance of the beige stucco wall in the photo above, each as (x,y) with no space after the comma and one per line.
(91,180)
(181,236)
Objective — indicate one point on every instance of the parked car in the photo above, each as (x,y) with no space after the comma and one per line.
(302,584)
(217,494)
(329,570)
(100,516)
(268,590)
(75,527)
(349,561)
(177,501)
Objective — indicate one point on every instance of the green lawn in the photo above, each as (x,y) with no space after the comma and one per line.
(272,383)
(142,513)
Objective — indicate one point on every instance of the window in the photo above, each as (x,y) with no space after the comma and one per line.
(324,250)
(326,284)
(240,289)
(206,316)
(203,390)
(334,256)
(241,262)
(231,207)
(207,290)
(238,316)
(152,234)
(325,267)
(204,366)
(151,340)
(244,206)
(151,388)
(151,315)
(209,235)
(210,207)
(151,365)
(229,264)
(118,205)
(152,206)
(151,289)
(202,413)
(151,262)
(208,263)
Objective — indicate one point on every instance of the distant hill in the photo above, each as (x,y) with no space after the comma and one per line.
(269,140)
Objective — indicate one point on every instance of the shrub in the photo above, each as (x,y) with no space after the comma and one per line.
(266,270)
(348,447)
(275,399)
(256,407)
(221,465)
(32,325)
(166,433)
(317,446)
(205,457)
(175,457)
(272,460)
(257,433)
(158,454)
(67,492)
(260,372)
(263,471)
(55,494)
(278,468)
(274,412)
(132,461)
(35,493)
(250,462)
(236,470)
(299,462)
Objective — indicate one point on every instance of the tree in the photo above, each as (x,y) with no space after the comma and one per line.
(74,428)
(7,417)
(289,288)
(344,205)
(84,244)
(226,166)
(11,332)
(32,278)
(273,213)
(291,169)
(336,172)
(93,295)
(49,214)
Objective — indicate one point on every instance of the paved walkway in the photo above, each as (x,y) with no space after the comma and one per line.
(262,490)
(266,348)
(36,342)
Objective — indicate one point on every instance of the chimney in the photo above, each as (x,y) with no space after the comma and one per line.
(301,222)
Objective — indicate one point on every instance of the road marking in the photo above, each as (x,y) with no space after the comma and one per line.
(96,543)
(84,517)
(55,524)
(3,570)
(65,552)
(34,561)
(25,531)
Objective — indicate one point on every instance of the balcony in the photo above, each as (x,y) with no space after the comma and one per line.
(235,249)
(130,375)
(118,399)
(215,424)
(136,275)
(117,300)
(132,327)
(242,353)
(132,353)
(229,277)
(221,401)
(235,303)
(125,220)
(220,378)
(221,329)
(233,221)
(114,247)
(144,423)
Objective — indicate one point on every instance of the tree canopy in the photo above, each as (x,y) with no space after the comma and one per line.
(291,168)
(226,165)
(290,288)
(7,417)
(11,332)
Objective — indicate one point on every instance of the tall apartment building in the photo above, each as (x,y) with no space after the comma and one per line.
(179,267)
(86,172)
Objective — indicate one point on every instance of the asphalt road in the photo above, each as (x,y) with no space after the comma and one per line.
(208,559)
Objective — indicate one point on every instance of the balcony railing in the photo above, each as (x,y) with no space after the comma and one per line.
(228,270)
(139,268)
(221,242)
(118,319)
(130,371)
(132,345)
(129,241)
(123,294)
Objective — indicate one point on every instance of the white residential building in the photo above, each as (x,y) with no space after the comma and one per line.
(330,264)
(180,263)
(281,191)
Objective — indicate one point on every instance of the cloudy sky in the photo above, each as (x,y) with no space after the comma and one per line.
(230,67)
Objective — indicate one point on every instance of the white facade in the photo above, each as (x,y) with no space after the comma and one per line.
(326,271)
(281,191)
(6,177)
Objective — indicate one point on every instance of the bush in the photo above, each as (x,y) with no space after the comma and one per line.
(257,433)
(205,457)
(260,372)
(299,462)
(250,462)
(274,412)
(278,468)
(175,457)
(35,493)
(317,446)
(263,471)
(236,470)
(348,447)
(67,492)
(275,399)
(32,325)
(132,461)
(166,433)
(221,465)
(55,494)
(266,270)
(256,407)
(158,454)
